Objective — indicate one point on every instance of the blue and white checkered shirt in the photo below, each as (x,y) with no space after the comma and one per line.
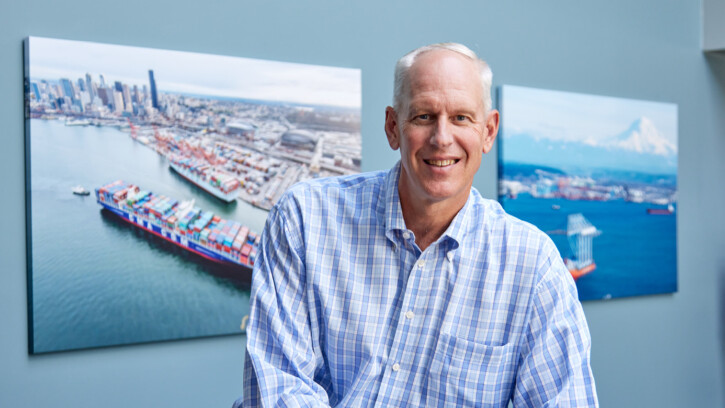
(347,311)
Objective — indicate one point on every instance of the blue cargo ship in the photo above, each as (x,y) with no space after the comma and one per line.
(201,232)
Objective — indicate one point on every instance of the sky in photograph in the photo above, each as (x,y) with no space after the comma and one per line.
(564,116)
(195,73)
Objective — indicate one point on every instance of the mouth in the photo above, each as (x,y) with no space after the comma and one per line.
(441,163)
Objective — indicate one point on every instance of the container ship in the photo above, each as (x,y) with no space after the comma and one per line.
(221,185)
(662,211)
(580,233)
(201,232)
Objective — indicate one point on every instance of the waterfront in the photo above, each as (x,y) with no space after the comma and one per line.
(97,281)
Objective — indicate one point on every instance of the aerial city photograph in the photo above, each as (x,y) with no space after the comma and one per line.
(599,176)
(150,174)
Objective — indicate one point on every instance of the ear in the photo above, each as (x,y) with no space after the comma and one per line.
(391,128)
(490,130)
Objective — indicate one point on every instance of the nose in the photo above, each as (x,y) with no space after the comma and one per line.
(442,133)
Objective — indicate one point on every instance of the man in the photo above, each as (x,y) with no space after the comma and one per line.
(405,287)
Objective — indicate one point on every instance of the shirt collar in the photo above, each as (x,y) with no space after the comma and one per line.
(393,215)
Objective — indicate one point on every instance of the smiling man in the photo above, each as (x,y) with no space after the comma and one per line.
(442,128)
(406,287)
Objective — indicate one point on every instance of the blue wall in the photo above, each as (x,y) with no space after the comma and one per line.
(657,351)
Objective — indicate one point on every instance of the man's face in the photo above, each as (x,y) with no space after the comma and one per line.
(442,130)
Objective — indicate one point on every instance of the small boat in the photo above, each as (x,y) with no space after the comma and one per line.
(555,207)
(79,190)
(77,122)
(662,211)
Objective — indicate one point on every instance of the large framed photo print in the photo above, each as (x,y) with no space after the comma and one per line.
(149,177)
(599,175)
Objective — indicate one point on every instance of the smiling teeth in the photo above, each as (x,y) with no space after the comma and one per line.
(440,163)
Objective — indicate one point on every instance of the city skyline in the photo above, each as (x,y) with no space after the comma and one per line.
(200,74)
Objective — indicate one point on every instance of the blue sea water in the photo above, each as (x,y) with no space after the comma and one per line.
(98,281)
(636,254)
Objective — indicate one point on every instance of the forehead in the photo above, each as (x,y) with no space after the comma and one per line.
(444,74)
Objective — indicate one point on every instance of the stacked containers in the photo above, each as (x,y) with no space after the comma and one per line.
(253,252)
(239,241)
(200,224)
(171,222)
(138,202)
(107,192)
(224,182)
(220,235)
(205,236)
(187,219)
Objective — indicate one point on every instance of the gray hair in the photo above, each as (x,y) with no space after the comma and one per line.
(400,91)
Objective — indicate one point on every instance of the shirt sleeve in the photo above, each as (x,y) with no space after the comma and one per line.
(281,361)
(555,368)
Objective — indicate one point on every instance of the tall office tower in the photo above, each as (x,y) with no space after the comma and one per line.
(154,95)
(67,87)
(90,87)
(117,101)
(58,92)
(136,97)
(36,91)
(106,97)
(118,86)
(103,82)
(127,98)
(94,91)
(81,85)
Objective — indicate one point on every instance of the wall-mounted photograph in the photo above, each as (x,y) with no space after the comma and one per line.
(149,175)
(599,176)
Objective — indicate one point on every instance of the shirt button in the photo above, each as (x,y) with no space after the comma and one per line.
(421,264)
(396,367)
(406,235)
(409,314)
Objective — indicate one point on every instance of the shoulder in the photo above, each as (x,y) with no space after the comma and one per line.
(331,193)
(503,226)
(520,243)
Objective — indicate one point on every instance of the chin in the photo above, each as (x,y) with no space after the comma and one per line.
(442,194)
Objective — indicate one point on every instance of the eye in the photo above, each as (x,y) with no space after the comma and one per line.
(461,118)
(424,116)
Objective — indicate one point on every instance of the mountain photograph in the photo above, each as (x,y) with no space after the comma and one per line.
(599,175)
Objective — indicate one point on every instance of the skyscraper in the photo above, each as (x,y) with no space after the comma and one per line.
(154,95)
(36,91)
(127,98)
(89,85)
(67,87)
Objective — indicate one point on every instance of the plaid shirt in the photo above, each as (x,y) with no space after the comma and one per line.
(347,311)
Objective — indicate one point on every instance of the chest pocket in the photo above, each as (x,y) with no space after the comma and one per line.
(468,374)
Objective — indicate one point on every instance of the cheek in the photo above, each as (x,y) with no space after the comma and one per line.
(412,143)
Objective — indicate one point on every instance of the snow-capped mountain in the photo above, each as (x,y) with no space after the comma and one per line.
(643,137)
(640,148)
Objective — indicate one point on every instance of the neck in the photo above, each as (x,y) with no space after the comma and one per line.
(428,221)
